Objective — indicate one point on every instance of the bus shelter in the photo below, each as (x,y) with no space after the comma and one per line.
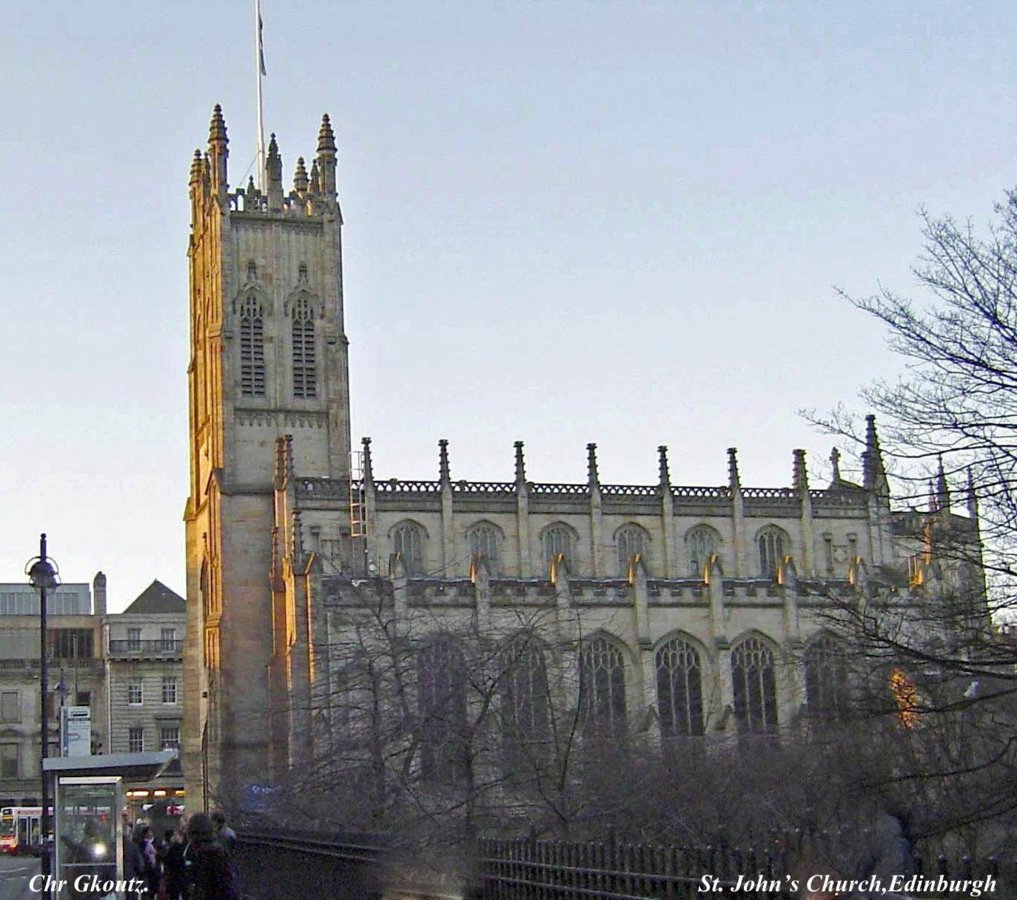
(88,839)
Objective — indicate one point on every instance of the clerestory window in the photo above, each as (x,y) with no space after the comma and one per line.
(701,543)
(773,545)
(631,541)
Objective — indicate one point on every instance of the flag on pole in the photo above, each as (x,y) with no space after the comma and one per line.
(261,45)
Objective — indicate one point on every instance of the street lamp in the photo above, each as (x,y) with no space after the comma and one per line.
(43,575)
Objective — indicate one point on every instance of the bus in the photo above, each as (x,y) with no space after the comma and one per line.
(20,829)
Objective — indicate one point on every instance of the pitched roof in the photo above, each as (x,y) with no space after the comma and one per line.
(157,598)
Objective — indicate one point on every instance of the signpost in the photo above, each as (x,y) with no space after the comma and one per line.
(75,731)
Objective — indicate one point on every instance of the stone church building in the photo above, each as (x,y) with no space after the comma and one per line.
(682,610)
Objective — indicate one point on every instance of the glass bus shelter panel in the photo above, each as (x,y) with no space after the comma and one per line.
(89,854)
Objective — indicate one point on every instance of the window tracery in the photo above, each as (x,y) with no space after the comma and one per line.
(602,688)
(408,543)
(252,348)
(441,699)
(631,541)
(826,683)
(556,539)
(701,542)
(679,689)
(755,687)
(305,371)
(773,545)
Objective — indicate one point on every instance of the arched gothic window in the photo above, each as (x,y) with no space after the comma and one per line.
(755,687)
(408,542)
(441,697)
(483,539)
(602,688)
(773,545)
(701,543)
(679,689)
(252,348)
(525,705)
(305,371)
(826,684)
(631,541)
(556,539)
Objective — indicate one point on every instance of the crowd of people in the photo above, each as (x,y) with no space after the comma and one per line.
(193,861)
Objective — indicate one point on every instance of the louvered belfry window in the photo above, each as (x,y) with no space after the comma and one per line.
(305,373)
(252,349)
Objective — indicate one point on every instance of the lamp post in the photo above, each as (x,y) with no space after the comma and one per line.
(43,575)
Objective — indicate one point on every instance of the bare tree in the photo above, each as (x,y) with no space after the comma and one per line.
(949,426)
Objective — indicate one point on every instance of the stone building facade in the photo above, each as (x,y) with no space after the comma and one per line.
(126,667)
(696,609)
(76,676)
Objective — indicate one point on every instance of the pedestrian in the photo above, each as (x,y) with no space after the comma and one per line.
(210,870)
(134,862)
(174,872)
(223,833)
(144,837)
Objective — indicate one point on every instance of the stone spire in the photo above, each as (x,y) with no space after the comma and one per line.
(733,478)
(591,466)
(273,176)
(942,488)
(326,159)
(872,461)
(665,471)
(444,472)
(217,151)
(520,463)
(300,178)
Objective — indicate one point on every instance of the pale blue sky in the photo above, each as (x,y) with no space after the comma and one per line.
(566,222)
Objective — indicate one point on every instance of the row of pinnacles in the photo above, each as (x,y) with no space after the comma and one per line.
(312,192)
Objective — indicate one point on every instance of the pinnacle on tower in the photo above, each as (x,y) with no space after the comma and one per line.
(326,159)
(195,168)
(733,478)
(872,461)
(591,465)
(217,151)
(942,488)
(444,473)
(367,465)
(217,127)
(800,473)
(972,497)
(300,178)
(326,137)
(273,176)
(520,463)
(665,471)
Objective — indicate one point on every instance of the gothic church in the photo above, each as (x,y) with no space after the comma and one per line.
(697,607)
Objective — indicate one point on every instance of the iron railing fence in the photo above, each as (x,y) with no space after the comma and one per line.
(358,866)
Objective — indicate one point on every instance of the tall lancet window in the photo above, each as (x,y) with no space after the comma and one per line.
(305,372)
(252,348)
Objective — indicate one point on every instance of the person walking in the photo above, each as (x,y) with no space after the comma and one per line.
(224,834)
(209,869)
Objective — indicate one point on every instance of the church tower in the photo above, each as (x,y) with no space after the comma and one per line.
(268,368)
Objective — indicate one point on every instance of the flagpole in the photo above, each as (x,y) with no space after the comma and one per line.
(259,65)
